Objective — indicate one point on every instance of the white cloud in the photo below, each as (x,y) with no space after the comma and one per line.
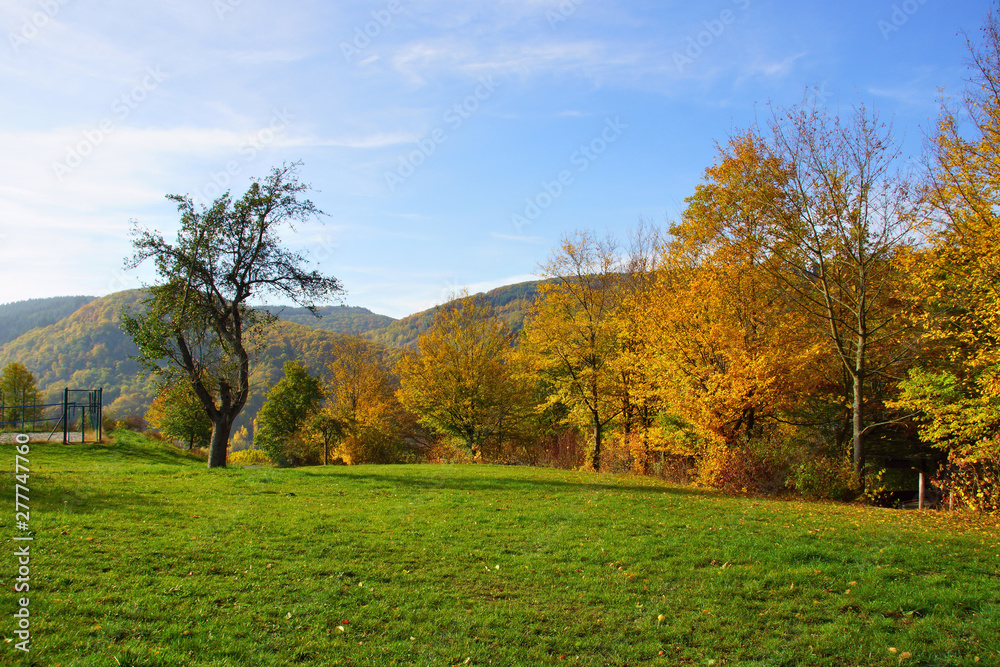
(773,68)
(253,58)
(376,140)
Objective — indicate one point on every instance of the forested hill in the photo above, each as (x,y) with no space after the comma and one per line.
(85,350)
(338,319)
(511,303)
(22,316)
(88,350)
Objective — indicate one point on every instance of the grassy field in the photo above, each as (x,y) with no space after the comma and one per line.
(143,557)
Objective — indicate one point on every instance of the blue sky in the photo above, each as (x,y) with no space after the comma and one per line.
(435,132)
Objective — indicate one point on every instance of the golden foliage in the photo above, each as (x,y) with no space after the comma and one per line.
(463,382)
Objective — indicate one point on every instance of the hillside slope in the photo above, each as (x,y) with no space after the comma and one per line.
(88,350)
(510,302)
(337,319)
(85,350)
(20,317)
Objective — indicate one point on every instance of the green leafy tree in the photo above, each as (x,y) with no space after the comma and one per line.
(178,413)
(18,390)
(197,324)
(288,408)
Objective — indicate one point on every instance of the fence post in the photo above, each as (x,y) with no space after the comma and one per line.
(920,501)
(100,414)
(66,415)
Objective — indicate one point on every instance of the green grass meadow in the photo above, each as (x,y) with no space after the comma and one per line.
(141,556)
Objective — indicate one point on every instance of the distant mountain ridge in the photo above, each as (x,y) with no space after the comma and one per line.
(87,350)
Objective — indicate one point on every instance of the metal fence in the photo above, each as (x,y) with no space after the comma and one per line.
(78,409)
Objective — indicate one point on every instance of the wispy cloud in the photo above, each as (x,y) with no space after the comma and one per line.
(762,66)
(274,56)
(377,140)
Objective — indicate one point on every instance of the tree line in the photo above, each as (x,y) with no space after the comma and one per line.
(818,311)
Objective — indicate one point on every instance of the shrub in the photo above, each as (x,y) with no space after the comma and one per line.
(975,481)
(296,450)
(746,470)
(566,449)
(822,477)
(249,457)
(371,444)
(449,450)
(108,423)
(133,423)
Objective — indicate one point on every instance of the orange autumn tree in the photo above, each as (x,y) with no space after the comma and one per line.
(362,419)
(721,346)
(838,215)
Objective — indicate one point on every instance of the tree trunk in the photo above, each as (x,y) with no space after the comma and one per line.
(859,443)
(220,442)
(858,408)
(597,444)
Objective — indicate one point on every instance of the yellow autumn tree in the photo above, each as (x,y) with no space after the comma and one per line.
(462,381)
(637,435)
(958,389)
(719,345)
(835,217)
(573,333)
(362,420)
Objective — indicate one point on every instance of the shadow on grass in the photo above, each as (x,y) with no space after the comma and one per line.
(129,447)
(126,450)
(55,494)
(475,482)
